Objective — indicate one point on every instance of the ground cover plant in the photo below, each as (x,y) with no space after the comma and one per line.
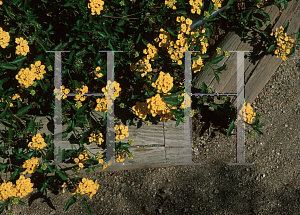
(149,78)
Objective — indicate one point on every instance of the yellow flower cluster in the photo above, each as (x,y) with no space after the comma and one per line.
(98,75)
(22,48)
(1,2)
(116,86)
(284,42)
(164,83)
(96,138)
(218,50)
(82,90)
(141,109)
(226,53)
(96,6)
(143,66)
(37,142)
(20,189)
(101,105)
(4,38)
(167,114)
(99,157)
(121,132)
(65,91)
(27,76)
(165,38)
(260,3)
(130,142)
(78,104)
(198,64)
(196,4)
(156,105)
(170,4)
(121,158)
(24,186)
(38,69)
(87,187)
(217,4)
(249,115)
(151,52)
(82,158)
(15,96)
(30,165)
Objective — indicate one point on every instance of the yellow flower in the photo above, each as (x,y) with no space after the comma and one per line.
(206,14)
(218,50)
(226,53)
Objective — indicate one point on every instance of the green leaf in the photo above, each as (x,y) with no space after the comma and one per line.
(71,201)
(23,110)
(81,110)
(4,204)
(231,127)
(217,78)
(39,57)
(18,59)
(10,133)
(7,66)
(204,56)
(68,4)
(31,125)
(204,87)
(214,105)
(145,42)
(22,203)
(125,146)
(3,166)
(16,172)
(182,12)
(159,19)
(5,110)
(171,32)
(224,67)
(63,175)
(172,102)
(248,15)
(86,206)
(258,24)
(26,4)
(230,2)
(285,4)
(271,48)
(83,10)
(177,122)
(217,59)
(121,22)
(119,29)
(286,25)
(224,16)
(298,34)
(139,37)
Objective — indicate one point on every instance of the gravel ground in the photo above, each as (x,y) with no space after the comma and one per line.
(270,186)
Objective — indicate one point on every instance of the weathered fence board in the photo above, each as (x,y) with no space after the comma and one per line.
(257,73)
(151,146)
